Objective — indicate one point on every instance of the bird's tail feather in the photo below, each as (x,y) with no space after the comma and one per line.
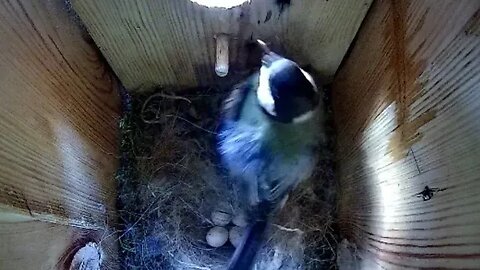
(252,240)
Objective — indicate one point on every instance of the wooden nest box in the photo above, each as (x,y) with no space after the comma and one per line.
(405,83)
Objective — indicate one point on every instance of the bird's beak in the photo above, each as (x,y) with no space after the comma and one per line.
(268,56)
(264,46)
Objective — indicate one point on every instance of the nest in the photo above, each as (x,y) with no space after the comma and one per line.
(170,181)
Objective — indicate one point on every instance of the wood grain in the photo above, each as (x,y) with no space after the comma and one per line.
(407,109)
(39,245)
(58,118)
(171,42)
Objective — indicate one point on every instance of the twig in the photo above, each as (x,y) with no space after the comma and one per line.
(331,248)
(195,212)
(108,236)
(167,96)
(191,123)
(188,264)
(140,218)
(193,265)
(287,229)
(154,96)
(157,120)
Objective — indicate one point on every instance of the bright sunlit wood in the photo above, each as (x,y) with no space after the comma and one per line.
(172,42)
(220,3)
(58,118)
(407,108)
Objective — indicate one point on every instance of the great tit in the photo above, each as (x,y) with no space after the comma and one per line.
(268,140)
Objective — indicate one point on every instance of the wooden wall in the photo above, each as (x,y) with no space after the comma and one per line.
(58,138)
(40,245)
(407,110)
(171,42)
(58,119)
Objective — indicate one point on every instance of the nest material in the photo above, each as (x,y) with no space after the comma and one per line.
(167,198)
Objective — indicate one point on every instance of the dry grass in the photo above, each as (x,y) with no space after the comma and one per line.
(170,182)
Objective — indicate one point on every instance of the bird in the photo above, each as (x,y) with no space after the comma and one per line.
(268,139)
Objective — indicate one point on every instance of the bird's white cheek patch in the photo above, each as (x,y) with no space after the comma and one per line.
(264,95)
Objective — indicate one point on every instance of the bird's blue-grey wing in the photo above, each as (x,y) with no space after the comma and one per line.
(233,104)
(240,143)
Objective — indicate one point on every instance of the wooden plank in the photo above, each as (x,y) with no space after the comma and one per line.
(171,42)
(407,109)
(58,118)
(39,245)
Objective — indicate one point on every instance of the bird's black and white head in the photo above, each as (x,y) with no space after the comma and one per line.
(286,92)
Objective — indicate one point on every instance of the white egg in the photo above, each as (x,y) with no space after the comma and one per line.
(217,236)
(221,218)
(235,235)
(240,220)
